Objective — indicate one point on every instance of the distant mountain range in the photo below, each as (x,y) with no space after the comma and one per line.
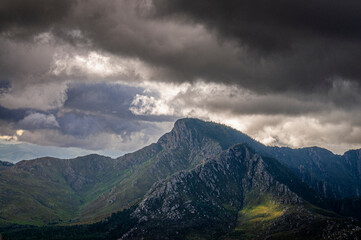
(14,152)
(202,180)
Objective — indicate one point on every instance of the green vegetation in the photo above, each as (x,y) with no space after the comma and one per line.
(257,216)
(264,212)
(111,228)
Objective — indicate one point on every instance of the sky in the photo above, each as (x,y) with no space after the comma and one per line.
(112,76)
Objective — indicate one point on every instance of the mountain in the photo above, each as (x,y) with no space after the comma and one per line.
(236,194)
(14,152)
(49,190)
(333,176)
(89,188)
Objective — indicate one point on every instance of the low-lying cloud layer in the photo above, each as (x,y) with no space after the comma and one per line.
(116,74)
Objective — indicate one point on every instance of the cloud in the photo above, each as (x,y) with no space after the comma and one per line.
(200,96)
(107,100)
(11,115)
(102,98)
(41,96)
(101,141)
(91,116)
(250,20)
(148,105)
(93,66)
(276,46)
(321,32)
(25,67)
(92,109)
(38,121)
(274,119)
(22,19)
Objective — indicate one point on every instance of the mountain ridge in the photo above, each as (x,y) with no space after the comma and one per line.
(201,180)
(97,186)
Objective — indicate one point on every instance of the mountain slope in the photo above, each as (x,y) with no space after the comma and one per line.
(50,190)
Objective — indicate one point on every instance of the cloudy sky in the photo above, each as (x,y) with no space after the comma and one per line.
(112,76)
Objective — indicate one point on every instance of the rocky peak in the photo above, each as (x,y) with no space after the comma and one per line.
(183,132)
(191,130)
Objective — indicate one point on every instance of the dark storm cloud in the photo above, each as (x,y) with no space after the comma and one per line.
(264,46)
(95,108)
(254,104)
(82,125)
(91,109)
(12,115)
(37,120)
(4,86)
(24,18)
(272,25)
(89,131)
(107,99)
(302,44)
(260,45)
(102,98)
